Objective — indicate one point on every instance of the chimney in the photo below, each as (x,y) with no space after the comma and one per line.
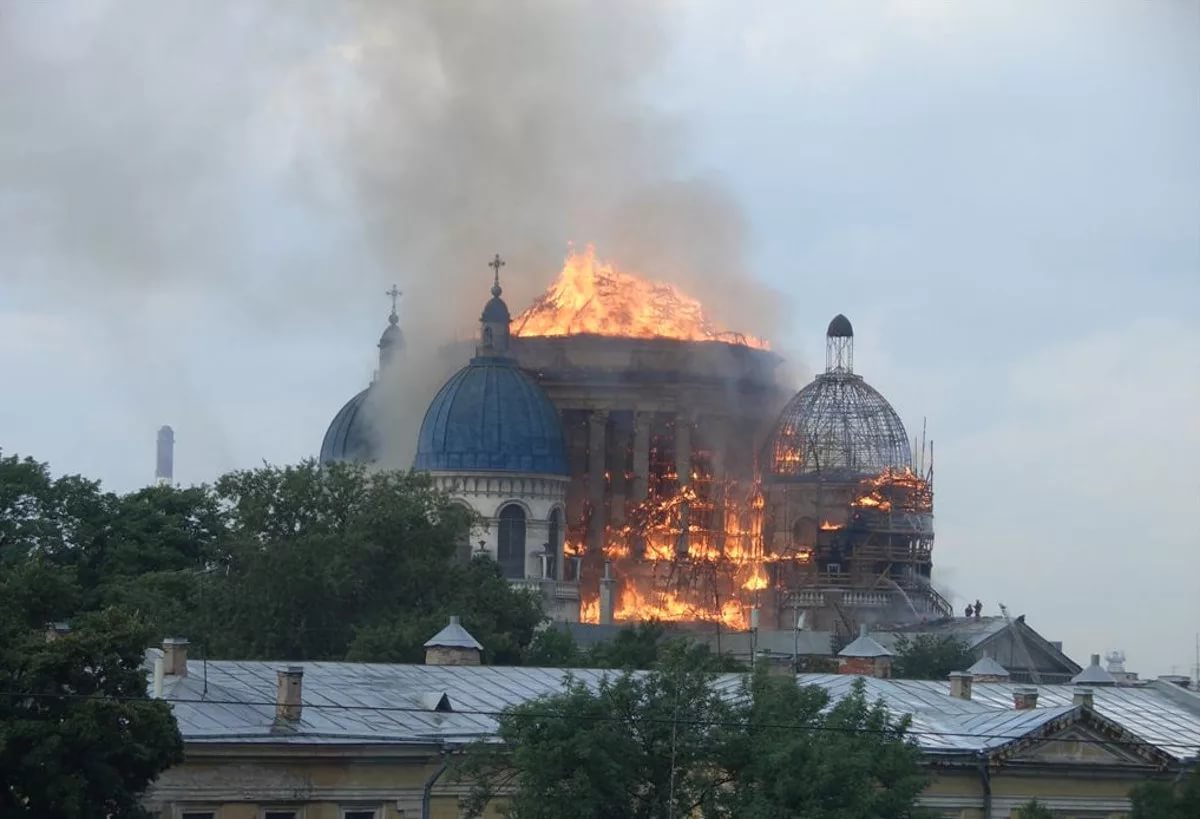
(175,656)
(288,690)
(1085,697)
(164,467)
(608,595)
(453,645)
(1025,697)
(56,630)
(960,685)
(865,657)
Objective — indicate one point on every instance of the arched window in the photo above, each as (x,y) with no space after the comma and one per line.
(553,543)
(511,546)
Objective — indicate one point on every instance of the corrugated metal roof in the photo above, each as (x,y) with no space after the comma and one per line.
(407,704)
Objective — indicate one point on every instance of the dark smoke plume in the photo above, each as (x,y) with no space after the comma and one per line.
(284,157)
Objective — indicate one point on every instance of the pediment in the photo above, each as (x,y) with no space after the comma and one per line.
(1077,744)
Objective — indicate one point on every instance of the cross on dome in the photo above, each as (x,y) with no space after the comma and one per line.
(395,293)
(496,264)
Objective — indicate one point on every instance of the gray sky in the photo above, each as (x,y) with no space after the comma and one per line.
(202,206)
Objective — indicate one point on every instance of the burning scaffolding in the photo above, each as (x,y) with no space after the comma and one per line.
(668,417)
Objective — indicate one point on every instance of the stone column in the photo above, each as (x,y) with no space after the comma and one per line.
(642,421)
(597,424)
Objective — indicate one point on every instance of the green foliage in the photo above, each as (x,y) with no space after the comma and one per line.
(627,749)
(1033,810)
(795,758)
(300,563)
(1161,800)
(641,646)
(664,743)
(928,657)
(78,737)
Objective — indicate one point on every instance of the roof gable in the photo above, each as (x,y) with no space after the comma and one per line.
(1080,736)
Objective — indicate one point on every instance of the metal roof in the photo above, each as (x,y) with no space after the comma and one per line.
(491,416)
(453,636)
(366,703)
(1094,675)
(864,646)
(349,437)
(985,666)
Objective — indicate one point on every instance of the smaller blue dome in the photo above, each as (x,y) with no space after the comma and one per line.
(491,416)
(349,435)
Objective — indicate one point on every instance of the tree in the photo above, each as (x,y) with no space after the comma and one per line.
(1161,800)
(304,562)
(638,746)
(668,743)
(1033,810)
(929,657)
(78,737)
(799,757)
(326,562)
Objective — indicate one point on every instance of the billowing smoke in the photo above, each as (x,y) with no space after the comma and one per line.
(285,157)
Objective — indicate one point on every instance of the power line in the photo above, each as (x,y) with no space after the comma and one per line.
(598,718)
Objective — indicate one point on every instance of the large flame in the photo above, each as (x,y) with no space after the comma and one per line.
(593,296)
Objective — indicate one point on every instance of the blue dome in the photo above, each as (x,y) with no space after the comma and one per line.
(491,416)
(349,437)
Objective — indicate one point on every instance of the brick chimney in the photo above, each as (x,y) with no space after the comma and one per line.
(960,685)
(1084,697)
(453,645)
(289,688)
(866,657)
(1025,697)
(175,656)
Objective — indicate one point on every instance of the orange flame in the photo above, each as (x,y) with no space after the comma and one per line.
(669,606)
(592,296)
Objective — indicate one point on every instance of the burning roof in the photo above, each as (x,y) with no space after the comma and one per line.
(594,296)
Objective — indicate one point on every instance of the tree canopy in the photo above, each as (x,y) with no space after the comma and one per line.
(930,657)
(639,646)
(78,736)
(303,562)
(1163,800)
(668,743)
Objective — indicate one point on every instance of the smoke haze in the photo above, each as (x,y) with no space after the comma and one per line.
(173,148)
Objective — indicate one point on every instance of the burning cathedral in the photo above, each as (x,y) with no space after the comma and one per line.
(629,459)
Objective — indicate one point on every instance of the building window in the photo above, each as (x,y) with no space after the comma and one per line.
(554,544)
(280,813)
(196,813)
(510,551)
(360,813)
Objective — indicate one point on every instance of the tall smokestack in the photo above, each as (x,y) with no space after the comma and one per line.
(164,470)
